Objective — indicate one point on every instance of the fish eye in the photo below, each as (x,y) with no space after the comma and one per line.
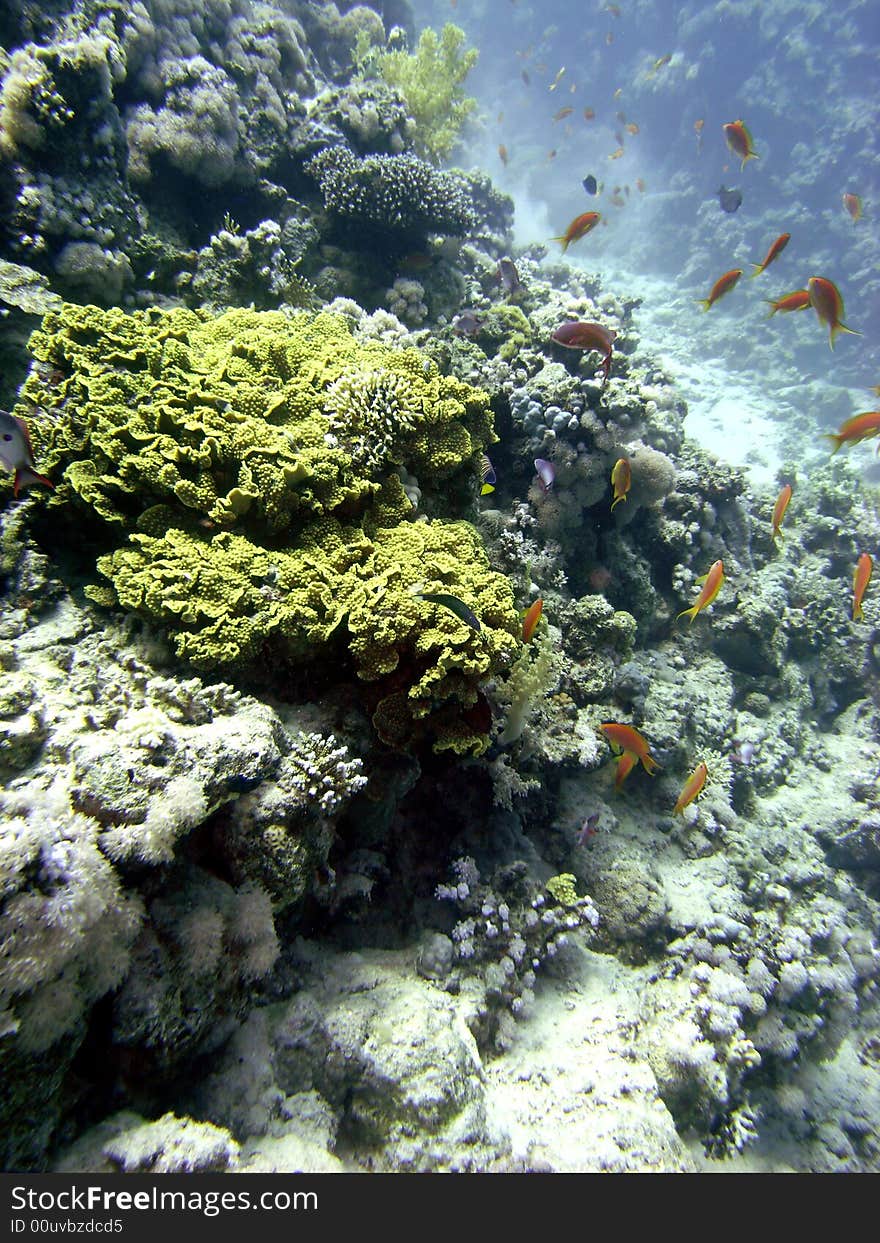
(7,435)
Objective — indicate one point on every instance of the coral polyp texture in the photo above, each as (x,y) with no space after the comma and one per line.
(245,475)
(397,192)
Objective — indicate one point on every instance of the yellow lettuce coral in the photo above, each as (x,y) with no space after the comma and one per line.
(247,468)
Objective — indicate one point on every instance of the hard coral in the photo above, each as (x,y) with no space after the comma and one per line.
(246,472)
(399,193)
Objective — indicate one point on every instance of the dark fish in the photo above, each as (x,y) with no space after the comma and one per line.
(456,606)
(730,200)
(590,184)
(466,323)
(509,276)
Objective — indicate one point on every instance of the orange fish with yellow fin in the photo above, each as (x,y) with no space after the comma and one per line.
(692,788)
(712,583)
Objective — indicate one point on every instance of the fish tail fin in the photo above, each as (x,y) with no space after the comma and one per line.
(691,613)
(839,327)
(617,502)
(772,305)
(705,303)
(26,478)
(759,268)
(836,440)
(858,615)
(650,765)
(563,240)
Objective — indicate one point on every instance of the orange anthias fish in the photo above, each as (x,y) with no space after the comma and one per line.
(626,762)
(578,228)
(589,114)
(723,285)
(740,141)
(859,427)
(864,570)
(692,787)
(775,250)
(585,335)
(711,586)
(826,301)
(799,300)
(779,511)
(625,738)
(563,113)
(853,204)
(502,154)
(621,480)
(531,619)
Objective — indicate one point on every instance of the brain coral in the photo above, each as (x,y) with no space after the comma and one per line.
(241,477)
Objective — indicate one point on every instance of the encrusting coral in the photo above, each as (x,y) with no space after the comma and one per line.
(246,470)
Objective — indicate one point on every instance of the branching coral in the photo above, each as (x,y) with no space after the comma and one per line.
(399,193)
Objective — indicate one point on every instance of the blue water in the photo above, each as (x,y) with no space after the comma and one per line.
(803,78)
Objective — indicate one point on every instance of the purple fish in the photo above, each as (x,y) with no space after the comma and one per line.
(588,829)
(546,473)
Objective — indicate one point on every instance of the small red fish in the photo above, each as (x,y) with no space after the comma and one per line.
(723,285)
(740,141)
(589,114)
(864,570)
(502,154)
(621,480)
(563,113)
(584,335)
(779,511)
(711,586)
(579,227)
(826,301)
(626,739)
(631,127)
(853,204)
(775,250)
(615,155)
(859,427)
(692,787)
(531,619)
(626,762)
(799,300)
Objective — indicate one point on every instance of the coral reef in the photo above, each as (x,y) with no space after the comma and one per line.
(394,193)
(429,79)
(506,932)
(236,453)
